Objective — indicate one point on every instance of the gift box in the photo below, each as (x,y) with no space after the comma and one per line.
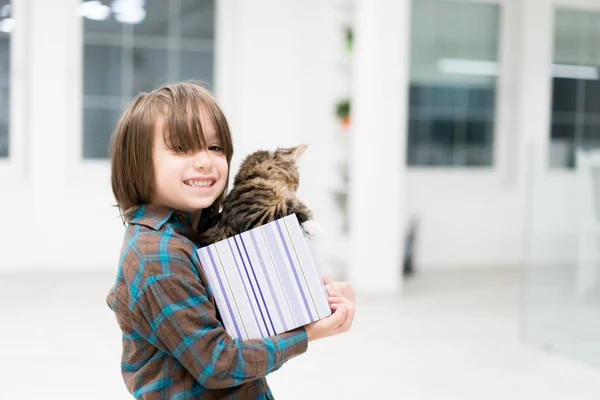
(265,281)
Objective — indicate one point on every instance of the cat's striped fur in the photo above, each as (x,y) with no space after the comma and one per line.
(263,190)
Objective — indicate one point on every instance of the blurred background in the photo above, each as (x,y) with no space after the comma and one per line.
(453,164)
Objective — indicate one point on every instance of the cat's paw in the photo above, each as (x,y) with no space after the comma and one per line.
(311,229)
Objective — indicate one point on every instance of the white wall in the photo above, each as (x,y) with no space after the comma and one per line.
(275,82)
(377,162)
(466,221)
(474,218)
(56,209)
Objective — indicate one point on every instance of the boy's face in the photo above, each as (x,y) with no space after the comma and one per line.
(190,181)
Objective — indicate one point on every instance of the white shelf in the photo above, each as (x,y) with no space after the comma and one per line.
(338,249)
(344,63)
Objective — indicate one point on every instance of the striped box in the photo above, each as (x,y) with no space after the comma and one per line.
(265,281)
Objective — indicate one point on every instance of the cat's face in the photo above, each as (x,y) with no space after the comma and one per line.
(279,165)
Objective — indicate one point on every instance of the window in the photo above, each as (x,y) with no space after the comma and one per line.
(454,69)
(575,86)
(6,27)
(132,46)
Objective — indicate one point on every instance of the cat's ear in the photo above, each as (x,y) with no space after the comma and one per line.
(293,152)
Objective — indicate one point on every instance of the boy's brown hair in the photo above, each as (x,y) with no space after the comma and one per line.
(179,105)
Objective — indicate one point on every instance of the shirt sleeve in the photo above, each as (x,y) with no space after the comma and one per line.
(178,317)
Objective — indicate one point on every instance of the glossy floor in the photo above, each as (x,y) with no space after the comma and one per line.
(451,335)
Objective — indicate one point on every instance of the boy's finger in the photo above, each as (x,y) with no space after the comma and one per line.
(338,317)
(327,279)
(345,325)
(339,300)
(348,321)
(338,303)
(347,291)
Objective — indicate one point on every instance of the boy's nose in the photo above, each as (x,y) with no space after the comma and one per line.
(202,160)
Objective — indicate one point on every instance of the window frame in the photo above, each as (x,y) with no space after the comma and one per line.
(97,169)
(555,5)
(13,169)
(503,170)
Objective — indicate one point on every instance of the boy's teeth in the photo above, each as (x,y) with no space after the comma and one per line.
(199,183)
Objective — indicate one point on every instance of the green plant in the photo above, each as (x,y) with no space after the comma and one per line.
(349,39)
(342,109)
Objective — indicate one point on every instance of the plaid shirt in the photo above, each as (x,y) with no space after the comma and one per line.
(174,342)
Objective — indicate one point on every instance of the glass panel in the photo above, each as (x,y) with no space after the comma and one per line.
(481,99)
(563,144)
(6,26)
(592,98)
(478,136)
(441,133)
(561,291)
(591,137)
(4,95)
(98,127)
(575,84)
(198,19)
(108,27)
(156,21)
(417,133)
(149,69)
(197,65)
(454,68)
(564,95)
(139,48)
(102,66)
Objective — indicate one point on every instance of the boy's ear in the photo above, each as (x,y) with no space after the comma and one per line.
(293,152)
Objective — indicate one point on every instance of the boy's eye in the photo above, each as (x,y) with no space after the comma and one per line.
(179,149)
(215,148)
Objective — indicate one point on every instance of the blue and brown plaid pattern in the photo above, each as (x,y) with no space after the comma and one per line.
(174,342)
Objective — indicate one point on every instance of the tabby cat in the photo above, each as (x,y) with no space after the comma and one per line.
(263,190)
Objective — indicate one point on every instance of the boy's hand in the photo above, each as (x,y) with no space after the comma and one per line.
(341,293)
(342,288)
(328,326)
(341,301)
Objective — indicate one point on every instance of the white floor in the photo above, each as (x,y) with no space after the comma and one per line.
(450,336)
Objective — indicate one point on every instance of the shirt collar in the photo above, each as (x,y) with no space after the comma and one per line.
(155,217)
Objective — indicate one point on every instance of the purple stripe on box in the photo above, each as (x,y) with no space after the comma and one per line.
(251,285)
(269,283)
(287,252)
(298,316)
(212,260)
(245,288)
(258,286)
